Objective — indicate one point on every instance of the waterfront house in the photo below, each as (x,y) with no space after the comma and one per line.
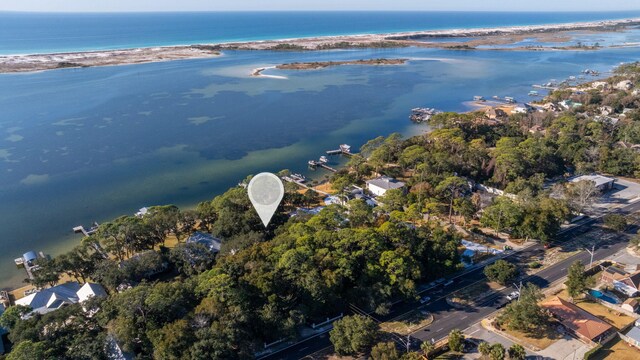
(582,324)
(495,114)
(54,298)
(380,185)
(209,241)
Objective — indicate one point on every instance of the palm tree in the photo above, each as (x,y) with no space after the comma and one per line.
(427,348)
(484,348)
(517,352)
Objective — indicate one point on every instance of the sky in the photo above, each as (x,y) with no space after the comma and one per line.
(299,5)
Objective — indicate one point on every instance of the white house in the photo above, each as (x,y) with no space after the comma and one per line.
(380,185)
(51,299)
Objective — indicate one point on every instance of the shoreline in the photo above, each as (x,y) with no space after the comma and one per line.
(258,72)
(495,36)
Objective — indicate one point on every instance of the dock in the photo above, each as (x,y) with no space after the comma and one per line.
(27,261)
(85,232)
(322,164)
(344,149)
(299,183)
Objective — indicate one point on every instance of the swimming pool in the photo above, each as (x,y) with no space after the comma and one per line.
(603,296)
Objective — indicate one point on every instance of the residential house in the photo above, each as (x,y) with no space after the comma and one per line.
(603,183)
(54,298)
(621,280)
(624,85)
(380,185)
(606,110)
(632,337)
(495,114)
(537,129)
(579,322)
(631,305)
(570,104)
(209,241)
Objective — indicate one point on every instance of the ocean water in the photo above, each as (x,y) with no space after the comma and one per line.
(84,145)
(22,33)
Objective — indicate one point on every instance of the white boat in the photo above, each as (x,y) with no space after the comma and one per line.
(323,159)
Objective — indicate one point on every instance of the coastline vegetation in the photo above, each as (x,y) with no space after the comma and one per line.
(266,284)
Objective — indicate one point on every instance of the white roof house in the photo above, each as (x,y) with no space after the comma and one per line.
(51,299)
(603,183)
(89,290)
(380,185)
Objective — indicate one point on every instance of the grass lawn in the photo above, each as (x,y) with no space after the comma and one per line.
(541,339)
(408,323)
(618,320)
(617,350)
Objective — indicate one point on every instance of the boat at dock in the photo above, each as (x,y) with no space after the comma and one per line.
(323,159)
(298,177)
(479,98)
(533,93)
(510,99)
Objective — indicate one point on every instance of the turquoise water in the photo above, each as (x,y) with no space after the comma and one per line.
(83,145)
(604,297)
(22,33)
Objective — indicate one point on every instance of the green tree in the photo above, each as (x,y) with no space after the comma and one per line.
(12,315)
(385,351)
(517,352)
(577,279)
(497,352)
(456,340)
(501,272)
(352,334)
(427,348)
(525,314)
(451,188)
(503,214)
(615,221)
(484,348)
(28,350)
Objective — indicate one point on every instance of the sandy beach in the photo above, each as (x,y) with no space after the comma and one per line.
(481,36)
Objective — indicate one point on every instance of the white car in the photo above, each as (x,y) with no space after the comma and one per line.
(514,295)
(425,299)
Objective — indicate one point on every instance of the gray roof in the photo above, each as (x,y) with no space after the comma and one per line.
(208,240)
(385,182)
(51,299)
(599,180)
(634,333)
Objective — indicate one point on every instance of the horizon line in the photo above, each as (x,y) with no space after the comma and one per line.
(306,10)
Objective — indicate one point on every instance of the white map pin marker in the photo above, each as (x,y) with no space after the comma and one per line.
(265,192)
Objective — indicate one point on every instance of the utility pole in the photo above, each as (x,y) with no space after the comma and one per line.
(519,288)
(591,252)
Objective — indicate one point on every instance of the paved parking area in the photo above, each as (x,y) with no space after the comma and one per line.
(567,348)
(624,192)
(624,257)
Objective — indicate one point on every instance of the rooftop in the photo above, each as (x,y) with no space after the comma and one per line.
(206,239)
(385,182)
(599,180)
(576,319)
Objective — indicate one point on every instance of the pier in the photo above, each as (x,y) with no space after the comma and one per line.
(322,164)
(299,183)
(344,149)
(85,232)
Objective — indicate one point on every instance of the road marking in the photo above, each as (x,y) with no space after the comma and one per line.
(563,269)
(440,329)
(303,349)
(474,332)
(462,318)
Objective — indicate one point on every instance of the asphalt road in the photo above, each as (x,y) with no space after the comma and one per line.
(447,318)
